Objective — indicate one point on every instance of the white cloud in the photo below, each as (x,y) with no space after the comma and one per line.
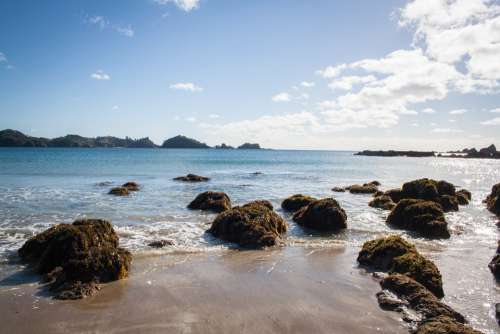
(186,86)
(347,82)
(327,105)
(494,121)
(282,97)
(213,116)
(185,5)
(332,71)
(104,23)
(307,84)
(408,112)
(98,20)
(446,130)
(125,31)
(458,112)
(191,119)
(428,111)
(100,75)
(496,110)
(3,57)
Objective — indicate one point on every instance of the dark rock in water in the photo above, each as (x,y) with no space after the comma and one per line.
(441,192)
(161,243)
(419,298)
(296,202)
(463,196)
(389,301)
(444,325)
(493,200)
(192,178)
(211,201)
(375,183)
(119,191)
(75,256)
(383,202)
(391,153)
(424,217)
(395,194)
(253,226)
(263,202)
(497,312)
(324,214)
(494,266)
(338,189)
(448,203)
(131,186)
(378,193)
(396,255)
(367,188)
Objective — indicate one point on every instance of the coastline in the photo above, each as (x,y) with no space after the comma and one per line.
(285,290)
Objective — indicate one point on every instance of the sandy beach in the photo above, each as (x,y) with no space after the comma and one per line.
(287,290)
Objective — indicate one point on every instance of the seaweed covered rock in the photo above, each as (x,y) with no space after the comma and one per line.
(263,202)
(441,192)
(131,186)
(119,191)
(444,325)
(253,225)
(424,217)
(494,264)
(395,194)
(383,202)
(192,178)
(161,243)
(324,214)
(396,255)
(338,189)
(448,203)
(463,196)
(367,188)
(493,200)
(211,201)
(296,202)
(77,256)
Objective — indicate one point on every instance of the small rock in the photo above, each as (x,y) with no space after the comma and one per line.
(211,201)
(383,202)
(131,186)
(161,243)
(119,191)
(338,189)
(367,188)
(192,178)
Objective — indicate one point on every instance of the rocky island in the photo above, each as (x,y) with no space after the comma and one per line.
(489,152)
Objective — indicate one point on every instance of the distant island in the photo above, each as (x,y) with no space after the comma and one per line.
(489,152)
(13,138)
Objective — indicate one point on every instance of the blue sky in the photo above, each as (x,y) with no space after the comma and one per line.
(420,74)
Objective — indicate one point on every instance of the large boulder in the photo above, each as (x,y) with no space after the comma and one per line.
(448,203)
(424,217)
(396,255)
(383,202)
(253,225)
(441,192)
(77,256)
(192,178)
(444,325)
(493,200)
(211,201)
(324,214)
(296,202)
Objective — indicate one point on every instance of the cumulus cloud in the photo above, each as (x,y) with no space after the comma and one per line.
(191,119)
(332,71)
(494,121)
(185,5)
(100,75)
(282,97)
(186,86)
(347,82)
(458,112)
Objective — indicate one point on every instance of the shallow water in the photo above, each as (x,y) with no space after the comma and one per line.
(41,187)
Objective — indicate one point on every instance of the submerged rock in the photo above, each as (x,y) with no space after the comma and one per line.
(119,191)
(253,225)
(324,214)
(396,255)
(383,202)
(161,243)
(192,178)
(131,186)
(493,200)
(367,188)
(77,256)
(296,202)
(338,189)
(211,201)
(424,217)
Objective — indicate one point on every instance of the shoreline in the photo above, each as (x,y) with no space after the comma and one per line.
(286,290)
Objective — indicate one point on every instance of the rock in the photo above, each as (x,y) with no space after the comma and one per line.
(295,202)
(183,142)
(378,193)
(366,188)
(494,266)
(383,202)
(419,298)
(424,217)
(396,255)
(131,186)
(497,312)
(463,197)
(493,200)
(395,194)
(338,189)
(75,256)
(324,214)
(211,201)
(161,243)
(75,290)
(375,183)
(444,325)
(467,194)
(104,184)
(192,178)
(263,202)
(448,203)
(119,191)
(390,302)
(253,226)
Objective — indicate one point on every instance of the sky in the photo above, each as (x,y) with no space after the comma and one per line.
(292,74)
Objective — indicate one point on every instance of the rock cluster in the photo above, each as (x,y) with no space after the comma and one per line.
(324,214)
(367,188)
(76,257)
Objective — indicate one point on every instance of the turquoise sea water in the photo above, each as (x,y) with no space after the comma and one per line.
(41,187)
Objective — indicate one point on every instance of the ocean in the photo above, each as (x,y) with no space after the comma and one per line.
(42,187)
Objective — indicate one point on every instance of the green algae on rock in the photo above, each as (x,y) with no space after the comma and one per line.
(211,201)
(324,215)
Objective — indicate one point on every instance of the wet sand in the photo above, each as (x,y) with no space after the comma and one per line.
(289,290)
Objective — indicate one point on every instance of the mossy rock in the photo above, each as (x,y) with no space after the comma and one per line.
(424,217)
(463,197)
(119,191)
(395,194)
(338,189)
(324,215)
(465,193)
(493,200)
(296,202)
(85,251)
(253,225)
(425,189)
(263,202)
(382,202)
(131,186)
(211,201)
(448,203)
(192,178)
(366,188)
(444,325)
